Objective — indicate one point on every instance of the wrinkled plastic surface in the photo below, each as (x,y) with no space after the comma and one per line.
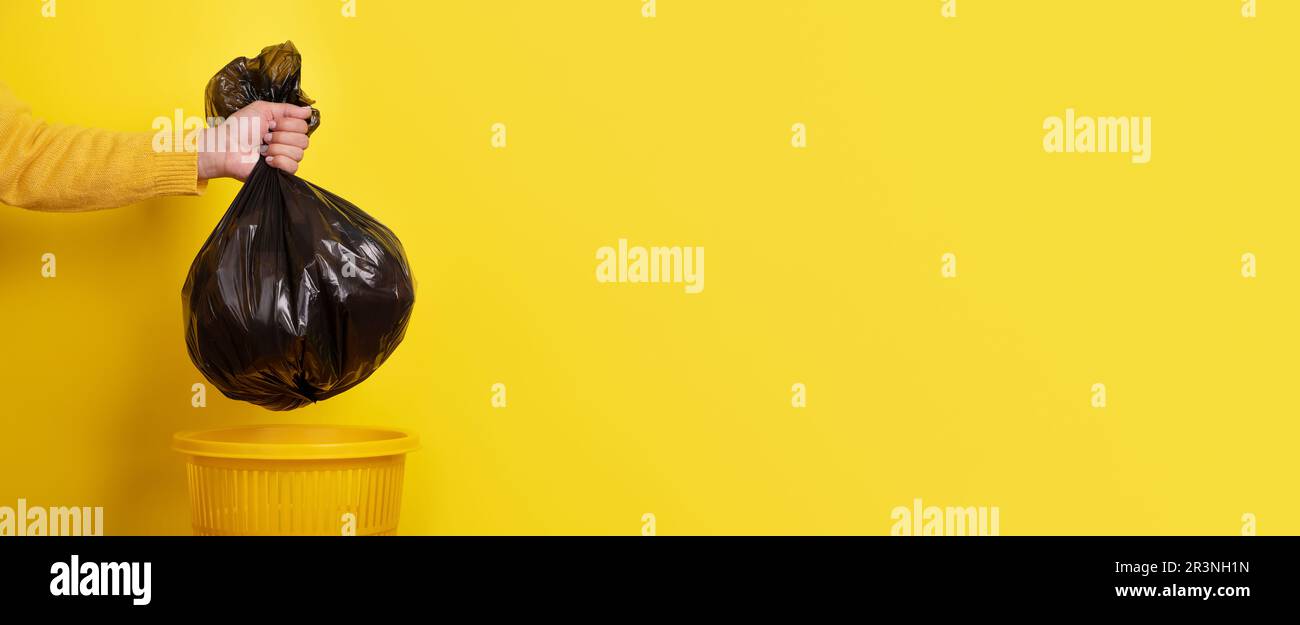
(297,295)
(273,76)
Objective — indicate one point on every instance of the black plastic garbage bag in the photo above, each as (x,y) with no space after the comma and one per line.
(297,295)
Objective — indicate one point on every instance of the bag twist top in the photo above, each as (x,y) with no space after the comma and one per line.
(272,76)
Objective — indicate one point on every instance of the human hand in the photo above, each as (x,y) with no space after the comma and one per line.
(274,131)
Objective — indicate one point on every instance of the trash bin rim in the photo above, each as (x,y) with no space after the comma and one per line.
(207,443)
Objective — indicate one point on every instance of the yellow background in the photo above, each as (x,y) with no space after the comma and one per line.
(822,264)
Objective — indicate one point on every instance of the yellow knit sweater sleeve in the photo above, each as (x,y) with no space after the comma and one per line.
(64,168)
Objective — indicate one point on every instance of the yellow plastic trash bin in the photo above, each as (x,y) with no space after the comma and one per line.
(295,479)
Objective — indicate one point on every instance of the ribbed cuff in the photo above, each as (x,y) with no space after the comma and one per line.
(176,173)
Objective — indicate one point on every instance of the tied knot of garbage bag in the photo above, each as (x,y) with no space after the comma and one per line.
(297,295)
(274,75)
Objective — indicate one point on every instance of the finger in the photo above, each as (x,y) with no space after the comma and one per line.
(284,163)
(261,114)
(289,124)
(281,110)
(287,151)
(296,139)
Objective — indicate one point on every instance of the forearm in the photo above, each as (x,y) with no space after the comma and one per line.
(63,168)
